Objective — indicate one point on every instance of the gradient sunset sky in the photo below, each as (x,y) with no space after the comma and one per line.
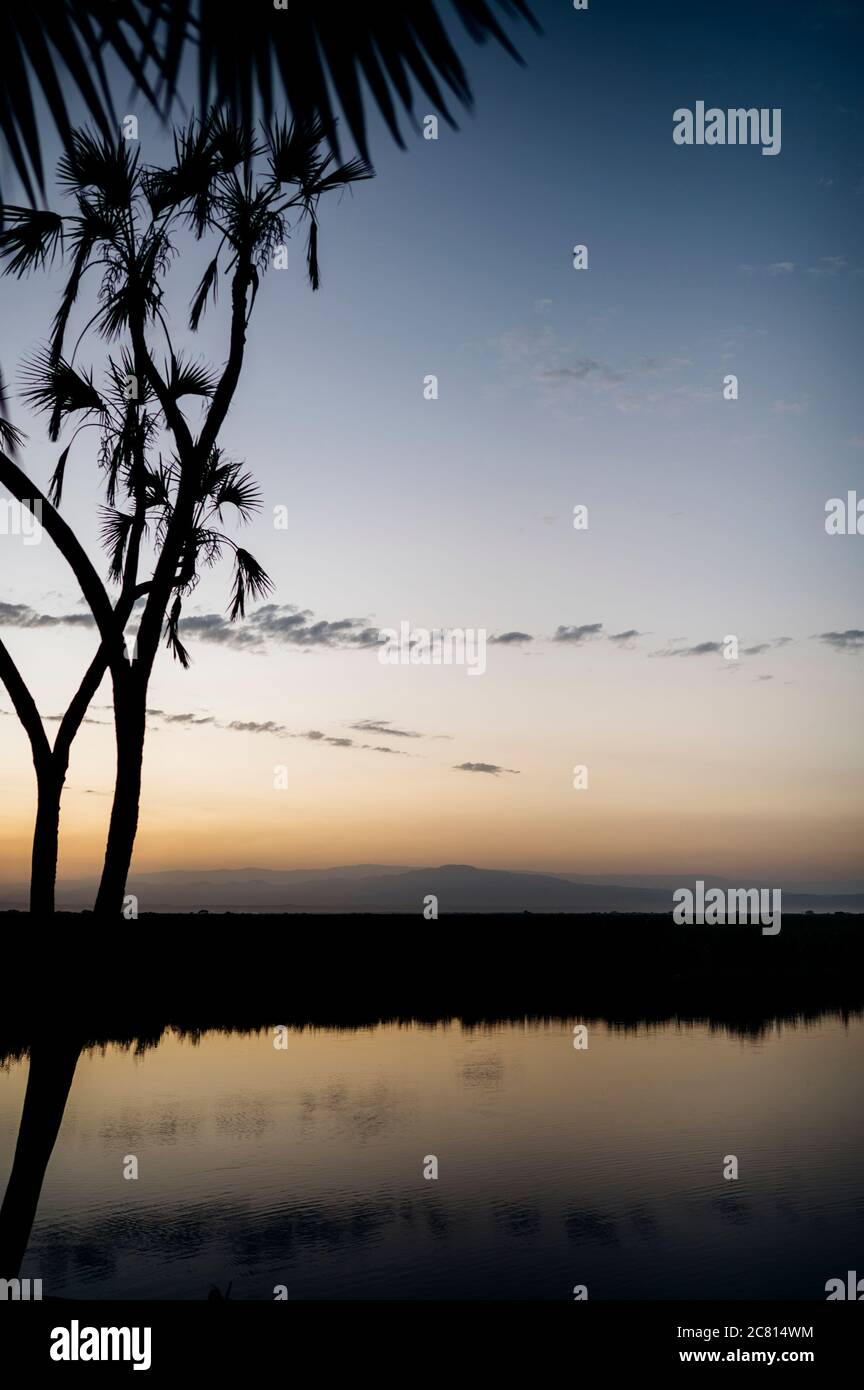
(556,388)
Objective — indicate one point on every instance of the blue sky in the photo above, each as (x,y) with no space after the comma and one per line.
(556,387)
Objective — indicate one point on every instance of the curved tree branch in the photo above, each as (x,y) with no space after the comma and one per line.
(94,591)
(25,708)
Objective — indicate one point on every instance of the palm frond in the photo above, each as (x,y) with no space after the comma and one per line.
(93,162)
(133,291)
(293,148)
(11,438)
(158,484)
(251,222)
(83,248)
(232,141)
(35,36)
(320,54)
(55,486)
(123,373)
(30,240)
(187,183)
(312,255)
(190,379)
(238,490)
(119,449)
(324,48)
(209,284)
(114,534)
(172,634)
(55,388)
(250,581)
(351,172)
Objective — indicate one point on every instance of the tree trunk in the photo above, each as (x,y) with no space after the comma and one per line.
(43,862)
(130,724)
(52,1067)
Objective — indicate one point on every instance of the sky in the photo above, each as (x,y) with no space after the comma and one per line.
(558,388)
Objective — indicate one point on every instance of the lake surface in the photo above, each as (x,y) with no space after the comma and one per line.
(304,1167)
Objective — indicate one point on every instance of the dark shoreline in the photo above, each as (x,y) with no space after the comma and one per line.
(132,980)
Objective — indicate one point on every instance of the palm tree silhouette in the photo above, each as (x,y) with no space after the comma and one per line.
(243,193)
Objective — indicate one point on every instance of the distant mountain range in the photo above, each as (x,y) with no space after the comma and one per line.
(392,888)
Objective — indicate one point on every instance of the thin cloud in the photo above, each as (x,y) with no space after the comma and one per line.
(697,649)
(282,624)
(189,720)
(511,638)
(825,267)
(382,726)
(20,615)
(828,266)
(716,648)
(852,640)
(252,726)
(274,730)
(658,366)
(58,719)
(586,369)
(491,769)
(772,645)
(576,635)
(316,736)
(557,367)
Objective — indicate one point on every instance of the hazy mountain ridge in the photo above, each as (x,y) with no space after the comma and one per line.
(391,888)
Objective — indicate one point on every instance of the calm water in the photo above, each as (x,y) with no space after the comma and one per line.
(557,1167)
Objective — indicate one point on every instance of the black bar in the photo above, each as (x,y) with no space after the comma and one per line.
(226,1338)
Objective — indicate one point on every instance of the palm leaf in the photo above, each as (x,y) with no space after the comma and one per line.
(250,581)
(293,150)
(56,388)
(58,45)
(83,248)
(312,255)
(349,172)
(238,490)
(114,534)
(188,182)
(190,379)
(172,634)
(11,438)
(120,371)
(55,487)
(92,162)
(209,284)
(30,241)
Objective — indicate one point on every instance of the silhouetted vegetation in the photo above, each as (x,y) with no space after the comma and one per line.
(239,972)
